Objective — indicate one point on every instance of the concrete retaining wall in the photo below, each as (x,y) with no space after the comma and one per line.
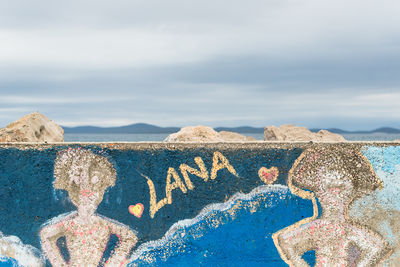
(236,204)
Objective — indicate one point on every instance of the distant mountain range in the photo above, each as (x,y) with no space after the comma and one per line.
(144,128)
(388,130)
(137,128)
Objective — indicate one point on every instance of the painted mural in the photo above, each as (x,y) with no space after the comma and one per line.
(334,178)
(85,176)
(218,205)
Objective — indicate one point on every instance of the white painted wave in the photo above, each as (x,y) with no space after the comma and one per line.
(210,216)
(25,255)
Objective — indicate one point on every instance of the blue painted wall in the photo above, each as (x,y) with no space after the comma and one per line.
(243,239)
(26,178)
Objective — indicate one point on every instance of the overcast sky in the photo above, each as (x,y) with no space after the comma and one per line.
(314,63)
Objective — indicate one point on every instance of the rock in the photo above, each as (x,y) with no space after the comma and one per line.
(194,134)
(291,132)
(205,134)
(232,136)
(34,127)
(325,135)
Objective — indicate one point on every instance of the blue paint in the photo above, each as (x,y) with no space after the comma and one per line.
(131,186)
(62,246)
(386,163)
(383,158)
(244,240)
(309,257)
(29,199)
(8,262)
(110,247)
(26,188)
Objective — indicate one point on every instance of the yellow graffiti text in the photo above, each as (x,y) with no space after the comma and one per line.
(174,181)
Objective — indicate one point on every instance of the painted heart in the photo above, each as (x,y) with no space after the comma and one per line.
(137,209)
(268,176)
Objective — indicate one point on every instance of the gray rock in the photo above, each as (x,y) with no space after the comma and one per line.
(232,136)
(205,134)
(34,127)
(290,132)
(194,134)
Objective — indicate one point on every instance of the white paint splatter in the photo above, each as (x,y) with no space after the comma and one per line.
(25,255)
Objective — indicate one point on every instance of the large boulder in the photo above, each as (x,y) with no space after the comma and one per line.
(232,136)
(34,127)
(205,134)
(291,132)
(194,134)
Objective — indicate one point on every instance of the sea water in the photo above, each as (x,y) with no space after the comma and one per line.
(161,137)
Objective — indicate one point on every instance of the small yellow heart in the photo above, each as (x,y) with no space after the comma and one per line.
(268,176)
(136,210)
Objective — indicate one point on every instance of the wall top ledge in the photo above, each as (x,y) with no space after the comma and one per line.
(190,145)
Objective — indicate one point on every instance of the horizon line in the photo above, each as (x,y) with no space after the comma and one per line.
(230,127)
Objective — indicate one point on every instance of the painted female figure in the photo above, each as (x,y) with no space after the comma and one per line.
(336,176)
(85,176)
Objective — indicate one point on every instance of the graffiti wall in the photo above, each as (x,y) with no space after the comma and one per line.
(254,204)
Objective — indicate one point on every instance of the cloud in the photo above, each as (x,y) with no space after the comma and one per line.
(133,33)
(26,100)
(222,63)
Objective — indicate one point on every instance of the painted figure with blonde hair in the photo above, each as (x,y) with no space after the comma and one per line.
(335,176)
(85,176)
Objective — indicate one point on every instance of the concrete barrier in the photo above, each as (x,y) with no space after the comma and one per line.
(212,204)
